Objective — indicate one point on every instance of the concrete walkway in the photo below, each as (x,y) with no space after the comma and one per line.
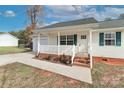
(79,73)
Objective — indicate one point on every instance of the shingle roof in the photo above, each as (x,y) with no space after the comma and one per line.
(101,24)
(111,24)
(71,23)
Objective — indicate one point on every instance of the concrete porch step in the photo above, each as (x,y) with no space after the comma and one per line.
(81,59)
(81,64)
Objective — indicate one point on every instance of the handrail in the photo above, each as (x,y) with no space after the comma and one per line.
(73,54)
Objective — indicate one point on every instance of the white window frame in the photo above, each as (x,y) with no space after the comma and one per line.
(69,40)
(66,40)
(109,38)
(63,40)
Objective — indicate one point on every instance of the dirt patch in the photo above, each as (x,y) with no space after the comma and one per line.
(59,83)
(115,63)
(73,82)
(42,73)
(113,78)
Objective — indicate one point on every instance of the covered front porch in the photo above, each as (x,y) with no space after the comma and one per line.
(69,42)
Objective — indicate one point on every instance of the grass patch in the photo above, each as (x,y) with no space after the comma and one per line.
(20,75)
(10,50)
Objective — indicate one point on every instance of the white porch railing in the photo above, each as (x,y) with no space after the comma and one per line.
(63,49)
(49,49)
(53,49)
(70,50)
(67,50)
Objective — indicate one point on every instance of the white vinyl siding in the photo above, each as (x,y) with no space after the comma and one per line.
(43,40)
(8,40)
(107,51)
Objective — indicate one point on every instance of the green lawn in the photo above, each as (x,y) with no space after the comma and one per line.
(20,75)
(9,50)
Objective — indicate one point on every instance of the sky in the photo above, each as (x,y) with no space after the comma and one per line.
(14,18)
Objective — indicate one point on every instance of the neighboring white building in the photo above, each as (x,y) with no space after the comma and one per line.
(7,39)
(85,36)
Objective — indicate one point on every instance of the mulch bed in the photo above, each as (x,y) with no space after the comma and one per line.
(54,58)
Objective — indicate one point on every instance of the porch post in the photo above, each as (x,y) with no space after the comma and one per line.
(58,43)
(38,44)
(90,44)
(73,55)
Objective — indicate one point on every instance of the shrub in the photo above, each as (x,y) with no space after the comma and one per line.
(65,59)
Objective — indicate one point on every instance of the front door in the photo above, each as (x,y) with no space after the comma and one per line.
(84,43)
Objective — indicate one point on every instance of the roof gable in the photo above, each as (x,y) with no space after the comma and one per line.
(2,33)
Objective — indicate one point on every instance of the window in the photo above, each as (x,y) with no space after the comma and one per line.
(83,36)
(70,40)
(62,40)
(110,38)
(67,40)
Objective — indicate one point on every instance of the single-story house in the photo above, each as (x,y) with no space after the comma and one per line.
(101,41)
(7,39)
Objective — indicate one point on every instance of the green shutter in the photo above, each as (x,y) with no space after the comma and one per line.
(118,38)
(75,39)
(57,40)
(101,39)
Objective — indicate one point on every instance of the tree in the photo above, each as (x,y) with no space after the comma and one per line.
(35,14)
(108,19)
(121,16)
(14,33)
(21,35)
